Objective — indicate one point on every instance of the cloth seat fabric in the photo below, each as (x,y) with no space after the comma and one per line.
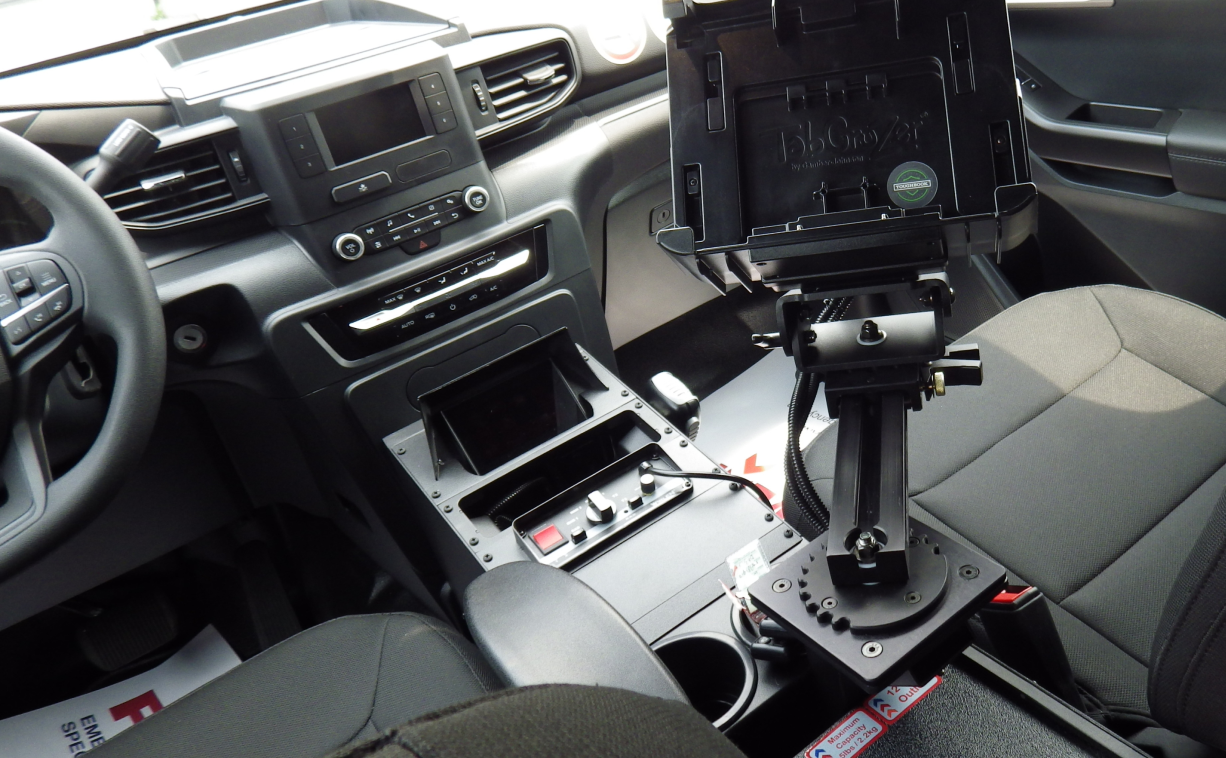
(555,721)
(1088,463)
(334,685)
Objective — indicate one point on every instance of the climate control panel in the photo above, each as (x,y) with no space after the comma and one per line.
(416,306)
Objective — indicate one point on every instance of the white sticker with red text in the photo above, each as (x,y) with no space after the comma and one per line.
(865,725)
(848,738)
(76,726)
(890,704)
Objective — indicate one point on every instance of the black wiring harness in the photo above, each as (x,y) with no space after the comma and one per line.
(742,481)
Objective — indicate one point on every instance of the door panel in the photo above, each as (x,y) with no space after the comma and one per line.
(1126,122)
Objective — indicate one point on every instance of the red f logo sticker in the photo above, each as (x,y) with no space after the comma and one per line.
(136,708)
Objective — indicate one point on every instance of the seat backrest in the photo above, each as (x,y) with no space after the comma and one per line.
(1188,660)
(554,721)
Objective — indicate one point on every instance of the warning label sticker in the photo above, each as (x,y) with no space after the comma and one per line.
(748,564)
(890,704)
(863,726)
(79,725)
(851,735)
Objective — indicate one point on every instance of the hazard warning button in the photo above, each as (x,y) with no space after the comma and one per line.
(423,243)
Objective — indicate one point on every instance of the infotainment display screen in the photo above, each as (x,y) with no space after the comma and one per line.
(367,124)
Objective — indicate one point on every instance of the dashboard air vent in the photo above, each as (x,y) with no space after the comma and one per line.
(182,184)
(529,82)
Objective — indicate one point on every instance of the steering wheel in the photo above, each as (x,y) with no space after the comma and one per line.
(87,276)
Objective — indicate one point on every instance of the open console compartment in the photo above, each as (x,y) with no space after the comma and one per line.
(509,406)
(515,493)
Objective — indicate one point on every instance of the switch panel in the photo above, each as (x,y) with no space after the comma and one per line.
(600,509)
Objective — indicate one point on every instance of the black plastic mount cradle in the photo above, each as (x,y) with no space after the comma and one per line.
(849,149)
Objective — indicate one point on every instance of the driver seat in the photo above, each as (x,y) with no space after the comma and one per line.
(334,685)
(1091,463)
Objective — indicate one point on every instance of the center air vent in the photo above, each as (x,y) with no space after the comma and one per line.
(181,185)
(522,85)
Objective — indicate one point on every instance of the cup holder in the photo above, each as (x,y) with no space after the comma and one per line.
(716,672)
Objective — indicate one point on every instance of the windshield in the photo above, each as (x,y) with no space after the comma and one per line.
(33,31)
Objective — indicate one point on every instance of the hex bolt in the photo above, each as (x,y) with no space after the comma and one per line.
(871,649)
(870,333)
(782,585)
(866,547)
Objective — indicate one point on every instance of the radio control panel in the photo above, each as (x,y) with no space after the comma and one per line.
(414,229)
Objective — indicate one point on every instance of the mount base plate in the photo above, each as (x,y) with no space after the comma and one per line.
(971,580)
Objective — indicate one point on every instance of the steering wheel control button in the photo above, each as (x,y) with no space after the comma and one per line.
(8,303)
(59,302)
(19,278)
(17,331)
(367,185)
(190,338)
(549,539)
(47,276)
(38,317)
(476,199)
(348,247)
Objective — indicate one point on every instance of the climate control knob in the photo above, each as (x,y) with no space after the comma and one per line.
(476,199)
(348,246)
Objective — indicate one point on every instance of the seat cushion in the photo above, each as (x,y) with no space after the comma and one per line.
(555,721)
(333,685)
(1088,463)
